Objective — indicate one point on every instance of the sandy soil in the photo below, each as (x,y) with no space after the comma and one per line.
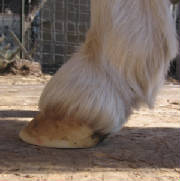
(147,148)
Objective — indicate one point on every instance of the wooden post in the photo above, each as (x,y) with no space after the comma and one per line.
(21,46)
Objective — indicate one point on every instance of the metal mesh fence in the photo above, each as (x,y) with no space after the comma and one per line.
(63,26)
(9,19)
(53,29)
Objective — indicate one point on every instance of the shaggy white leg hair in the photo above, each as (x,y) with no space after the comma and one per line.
(120,66)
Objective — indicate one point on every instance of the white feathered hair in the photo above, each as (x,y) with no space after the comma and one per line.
(120,66)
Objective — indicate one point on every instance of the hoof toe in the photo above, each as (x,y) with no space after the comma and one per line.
(64,135)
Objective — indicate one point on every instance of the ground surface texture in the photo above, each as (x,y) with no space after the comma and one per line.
(146,149)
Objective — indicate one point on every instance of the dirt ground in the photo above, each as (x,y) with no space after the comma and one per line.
(146,149)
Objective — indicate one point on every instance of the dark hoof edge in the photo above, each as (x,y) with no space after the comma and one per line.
(100,136)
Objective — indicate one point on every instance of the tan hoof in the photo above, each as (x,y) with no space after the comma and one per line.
(59,134)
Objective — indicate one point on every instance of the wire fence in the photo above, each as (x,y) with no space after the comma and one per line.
(50,30)
(9,19)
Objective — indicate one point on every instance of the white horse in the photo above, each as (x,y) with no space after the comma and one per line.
(120,67)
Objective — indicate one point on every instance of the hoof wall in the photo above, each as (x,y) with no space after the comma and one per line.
(62,135)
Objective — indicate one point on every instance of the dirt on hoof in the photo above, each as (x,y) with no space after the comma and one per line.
(147,148)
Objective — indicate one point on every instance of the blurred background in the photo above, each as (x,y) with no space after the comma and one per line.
(49,31)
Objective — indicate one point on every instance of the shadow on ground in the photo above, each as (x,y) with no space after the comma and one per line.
(17,113)
(133,147)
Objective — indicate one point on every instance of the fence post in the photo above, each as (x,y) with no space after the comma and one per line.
(178,29)
(22,23)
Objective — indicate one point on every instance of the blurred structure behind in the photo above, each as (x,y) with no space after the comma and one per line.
(51,30)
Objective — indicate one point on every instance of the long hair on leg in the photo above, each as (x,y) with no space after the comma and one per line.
(120,67)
